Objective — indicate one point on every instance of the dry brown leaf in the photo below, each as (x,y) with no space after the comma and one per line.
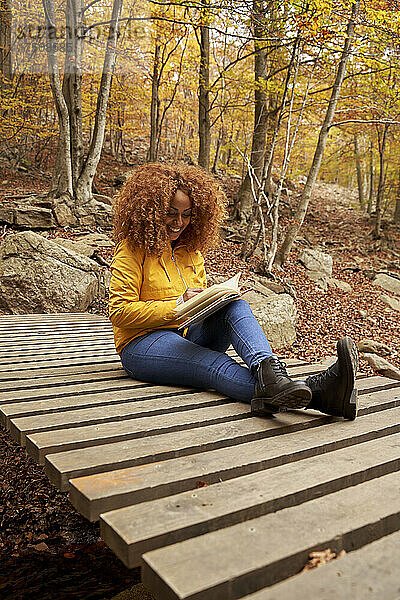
(42,547)
(201,484)
(320,557)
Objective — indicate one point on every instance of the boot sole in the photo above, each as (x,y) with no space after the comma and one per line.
(298,398)
(348,359)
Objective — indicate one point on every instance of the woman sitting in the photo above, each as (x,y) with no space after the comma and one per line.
(166,218)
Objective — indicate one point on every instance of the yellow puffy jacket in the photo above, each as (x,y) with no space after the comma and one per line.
(144,289)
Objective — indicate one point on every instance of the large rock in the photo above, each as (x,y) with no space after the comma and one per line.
(34,217)
(266,286)
(103,198)
(76,246)
(105,280)
(382,366)
(391,302)
(318,265)
(389,282)
(27,215)
(315,260)
(64,211)
(339,284)
(92,214)
(95,214)
(39,276)
(7,214)
(97,239)
(277,316)
(373,347)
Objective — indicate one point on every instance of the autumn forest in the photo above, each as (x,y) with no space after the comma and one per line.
(261,90)
(292,110)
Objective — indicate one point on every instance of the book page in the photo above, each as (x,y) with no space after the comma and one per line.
(209,310)
(209,294)
(207,302)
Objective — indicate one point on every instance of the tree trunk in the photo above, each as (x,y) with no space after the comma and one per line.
(5,44)
(71,174)
(178,139)
(72,81)
(113,138)
(396,217)
(204,95)
(84,184)
(381,183)
(155,105)
(360,185)
(301,211)
(371,178)
(62,174)
(261,115)
(220,142)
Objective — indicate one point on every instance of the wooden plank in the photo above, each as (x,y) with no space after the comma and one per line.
(34,323)
(369,403)
(376,383)
(32,326)
(89,415)
(50,342)
(123,407)
(57,326)
(103,386)
(39,350)
(382,400)
(47,348)
(27,408)
(29,316)
(61,333)
(248,556)
(9,379)
(88,359)
(40,325)
(61,440)
(97,493)
(23,341)
(50,382)
(134,530)
(75,463)
(368,573)
(71,354)
(67,334)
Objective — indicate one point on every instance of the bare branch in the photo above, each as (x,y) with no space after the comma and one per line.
(372,121)
(89,6)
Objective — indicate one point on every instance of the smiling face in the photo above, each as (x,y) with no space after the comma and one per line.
(178,216)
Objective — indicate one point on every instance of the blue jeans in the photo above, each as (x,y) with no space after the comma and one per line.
(199,360)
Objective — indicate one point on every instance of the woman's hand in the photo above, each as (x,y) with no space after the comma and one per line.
(190,292)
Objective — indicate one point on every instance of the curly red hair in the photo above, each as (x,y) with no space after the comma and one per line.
(142,204)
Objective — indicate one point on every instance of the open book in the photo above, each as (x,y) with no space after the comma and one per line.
(208,301)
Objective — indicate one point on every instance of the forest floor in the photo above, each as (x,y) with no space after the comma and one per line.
(47,550)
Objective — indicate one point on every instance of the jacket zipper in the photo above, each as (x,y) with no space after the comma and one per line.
(177,268)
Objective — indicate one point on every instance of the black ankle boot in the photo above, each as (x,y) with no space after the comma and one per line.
(333,390)
(275,390)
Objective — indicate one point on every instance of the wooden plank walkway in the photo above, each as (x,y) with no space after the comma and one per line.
(212,501)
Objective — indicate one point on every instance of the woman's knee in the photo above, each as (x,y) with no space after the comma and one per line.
(238,308)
